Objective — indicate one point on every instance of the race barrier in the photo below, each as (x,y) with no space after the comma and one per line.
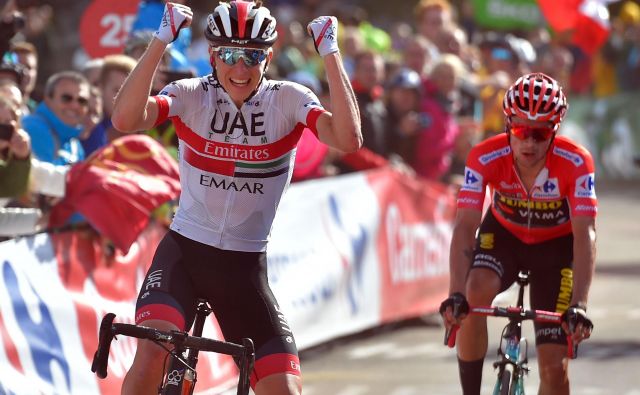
(347,253)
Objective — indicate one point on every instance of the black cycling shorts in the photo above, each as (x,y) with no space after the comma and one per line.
(235,285)
(550,264)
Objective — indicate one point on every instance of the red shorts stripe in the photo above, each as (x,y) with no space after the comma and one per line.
(160,312)
(274,364)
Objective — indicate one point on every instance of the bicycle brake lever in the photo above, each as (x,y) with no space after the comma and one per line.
(450,336)
(101,356)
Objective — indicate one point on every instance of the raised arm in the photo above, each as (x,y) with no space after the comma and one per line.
(133,109)
(340,129)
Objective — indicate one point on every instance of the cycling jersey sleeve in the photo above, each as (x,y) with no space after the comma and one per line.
(582,193)
(472,192)
(171,100)
(308,107)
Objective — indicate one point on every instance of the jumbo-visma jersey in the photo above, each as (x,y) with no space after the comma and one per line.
(564,188)
(234,164)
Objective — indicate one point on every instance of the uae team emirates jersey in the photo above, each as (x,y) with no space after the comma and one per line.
(235,164)
(563,189)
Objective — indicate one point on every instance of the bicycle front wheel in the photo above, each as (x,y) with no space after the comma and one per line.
(502,384)
(517,386)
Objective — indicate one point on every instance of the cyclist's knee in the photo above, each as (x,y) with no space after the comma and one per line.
(280,383)
(482,286)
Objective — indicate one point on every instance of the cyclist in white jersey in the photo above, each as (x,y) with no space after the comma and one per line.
(238,132)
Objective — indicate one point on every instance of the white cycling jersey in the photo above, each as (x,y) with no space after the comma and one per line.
(234,164)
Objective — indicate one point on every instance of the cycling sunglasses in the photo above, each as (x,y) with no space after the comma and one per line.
(523,132)
(232,55)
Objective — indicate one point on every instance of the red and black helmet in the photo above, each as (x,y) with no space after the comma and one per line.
(241,24)
(536,97)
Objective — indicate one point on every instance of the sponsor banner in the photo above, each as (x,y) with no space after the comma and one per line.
(413,244)
(507,14)
(346,254)
(323,260)
(54,291)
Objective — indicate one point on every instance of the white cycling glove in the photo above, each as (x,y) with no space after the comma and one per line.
(324,31)
(174,18)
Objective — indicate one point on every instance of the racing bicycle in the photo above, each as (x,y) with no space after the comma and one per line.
(181,377)
(512,362)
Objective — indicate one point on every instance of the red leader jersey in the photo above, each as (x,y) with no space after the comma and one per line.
(564,188)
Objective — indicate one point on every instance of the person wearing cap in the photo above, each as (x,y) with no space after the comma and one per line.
(237,134)
(403,97)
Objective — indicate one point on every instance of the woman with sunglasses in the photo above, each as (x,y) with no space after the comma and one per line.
(541,218)
(238,132)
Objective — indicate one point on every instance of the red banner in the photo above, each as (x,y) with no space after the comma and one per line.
(413,243)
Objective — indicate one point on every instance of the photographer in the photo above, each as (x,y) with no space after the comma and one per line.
(15,165)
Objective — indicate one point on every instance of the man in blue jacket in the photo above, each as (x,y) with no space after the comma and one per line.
(57,122)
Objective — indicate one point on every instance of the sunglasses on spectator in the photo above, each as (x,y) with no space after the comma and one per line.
(67,98)
(232,55)
(523,132)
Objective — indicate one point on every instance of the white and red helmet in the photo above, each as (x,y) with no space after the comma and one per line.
(536,97)
(241,24)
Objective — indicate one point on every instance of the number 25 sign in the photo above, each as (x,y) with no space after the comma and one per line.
(105,26)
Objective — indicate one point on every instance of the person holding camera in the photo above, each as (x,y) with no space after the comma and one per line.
(15,151)
(15,165)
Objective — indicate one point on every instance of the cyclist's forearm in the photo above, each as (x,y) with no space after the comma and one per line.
(584,253)
(345,123)
(130,106)
(460,256)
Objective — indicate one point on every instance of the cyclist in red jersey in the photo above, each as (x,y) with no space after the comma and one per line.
(541,218)
(237,133)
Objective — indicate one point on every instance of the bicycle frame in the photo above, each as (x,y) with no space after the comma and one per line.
(515,352)
(181,377)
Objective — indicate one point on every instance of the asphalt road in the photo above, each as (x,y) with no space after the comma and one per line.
(409,358)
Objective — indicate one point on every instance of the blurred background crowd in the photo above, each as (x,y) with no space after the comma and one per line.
(429,77)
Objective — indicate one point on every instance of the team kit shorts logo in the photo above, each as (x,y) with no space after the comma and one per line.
(586,186)
(472,180)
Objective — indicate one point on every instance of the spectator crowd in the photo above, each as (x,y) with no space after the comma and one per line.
(429,87)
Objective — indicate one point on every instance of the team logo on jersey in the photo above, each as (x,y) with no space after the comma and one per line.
(472,180)
(493,155)
(549,189)
(312,104)
(586,186)
(570,156)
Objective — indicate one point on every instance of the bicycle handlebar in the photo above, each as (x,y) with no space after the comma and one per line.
(517,314)
(108,330)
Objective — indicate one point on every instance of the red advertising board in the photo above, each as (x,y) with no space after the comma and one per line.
(413,243)
(105,25)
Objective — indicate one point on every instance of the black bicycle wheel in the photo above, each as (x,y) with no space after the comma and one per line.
(504,382)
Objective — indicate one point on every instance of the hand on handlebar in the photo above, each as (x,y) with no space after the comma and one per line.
(576,324)
(453,310)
